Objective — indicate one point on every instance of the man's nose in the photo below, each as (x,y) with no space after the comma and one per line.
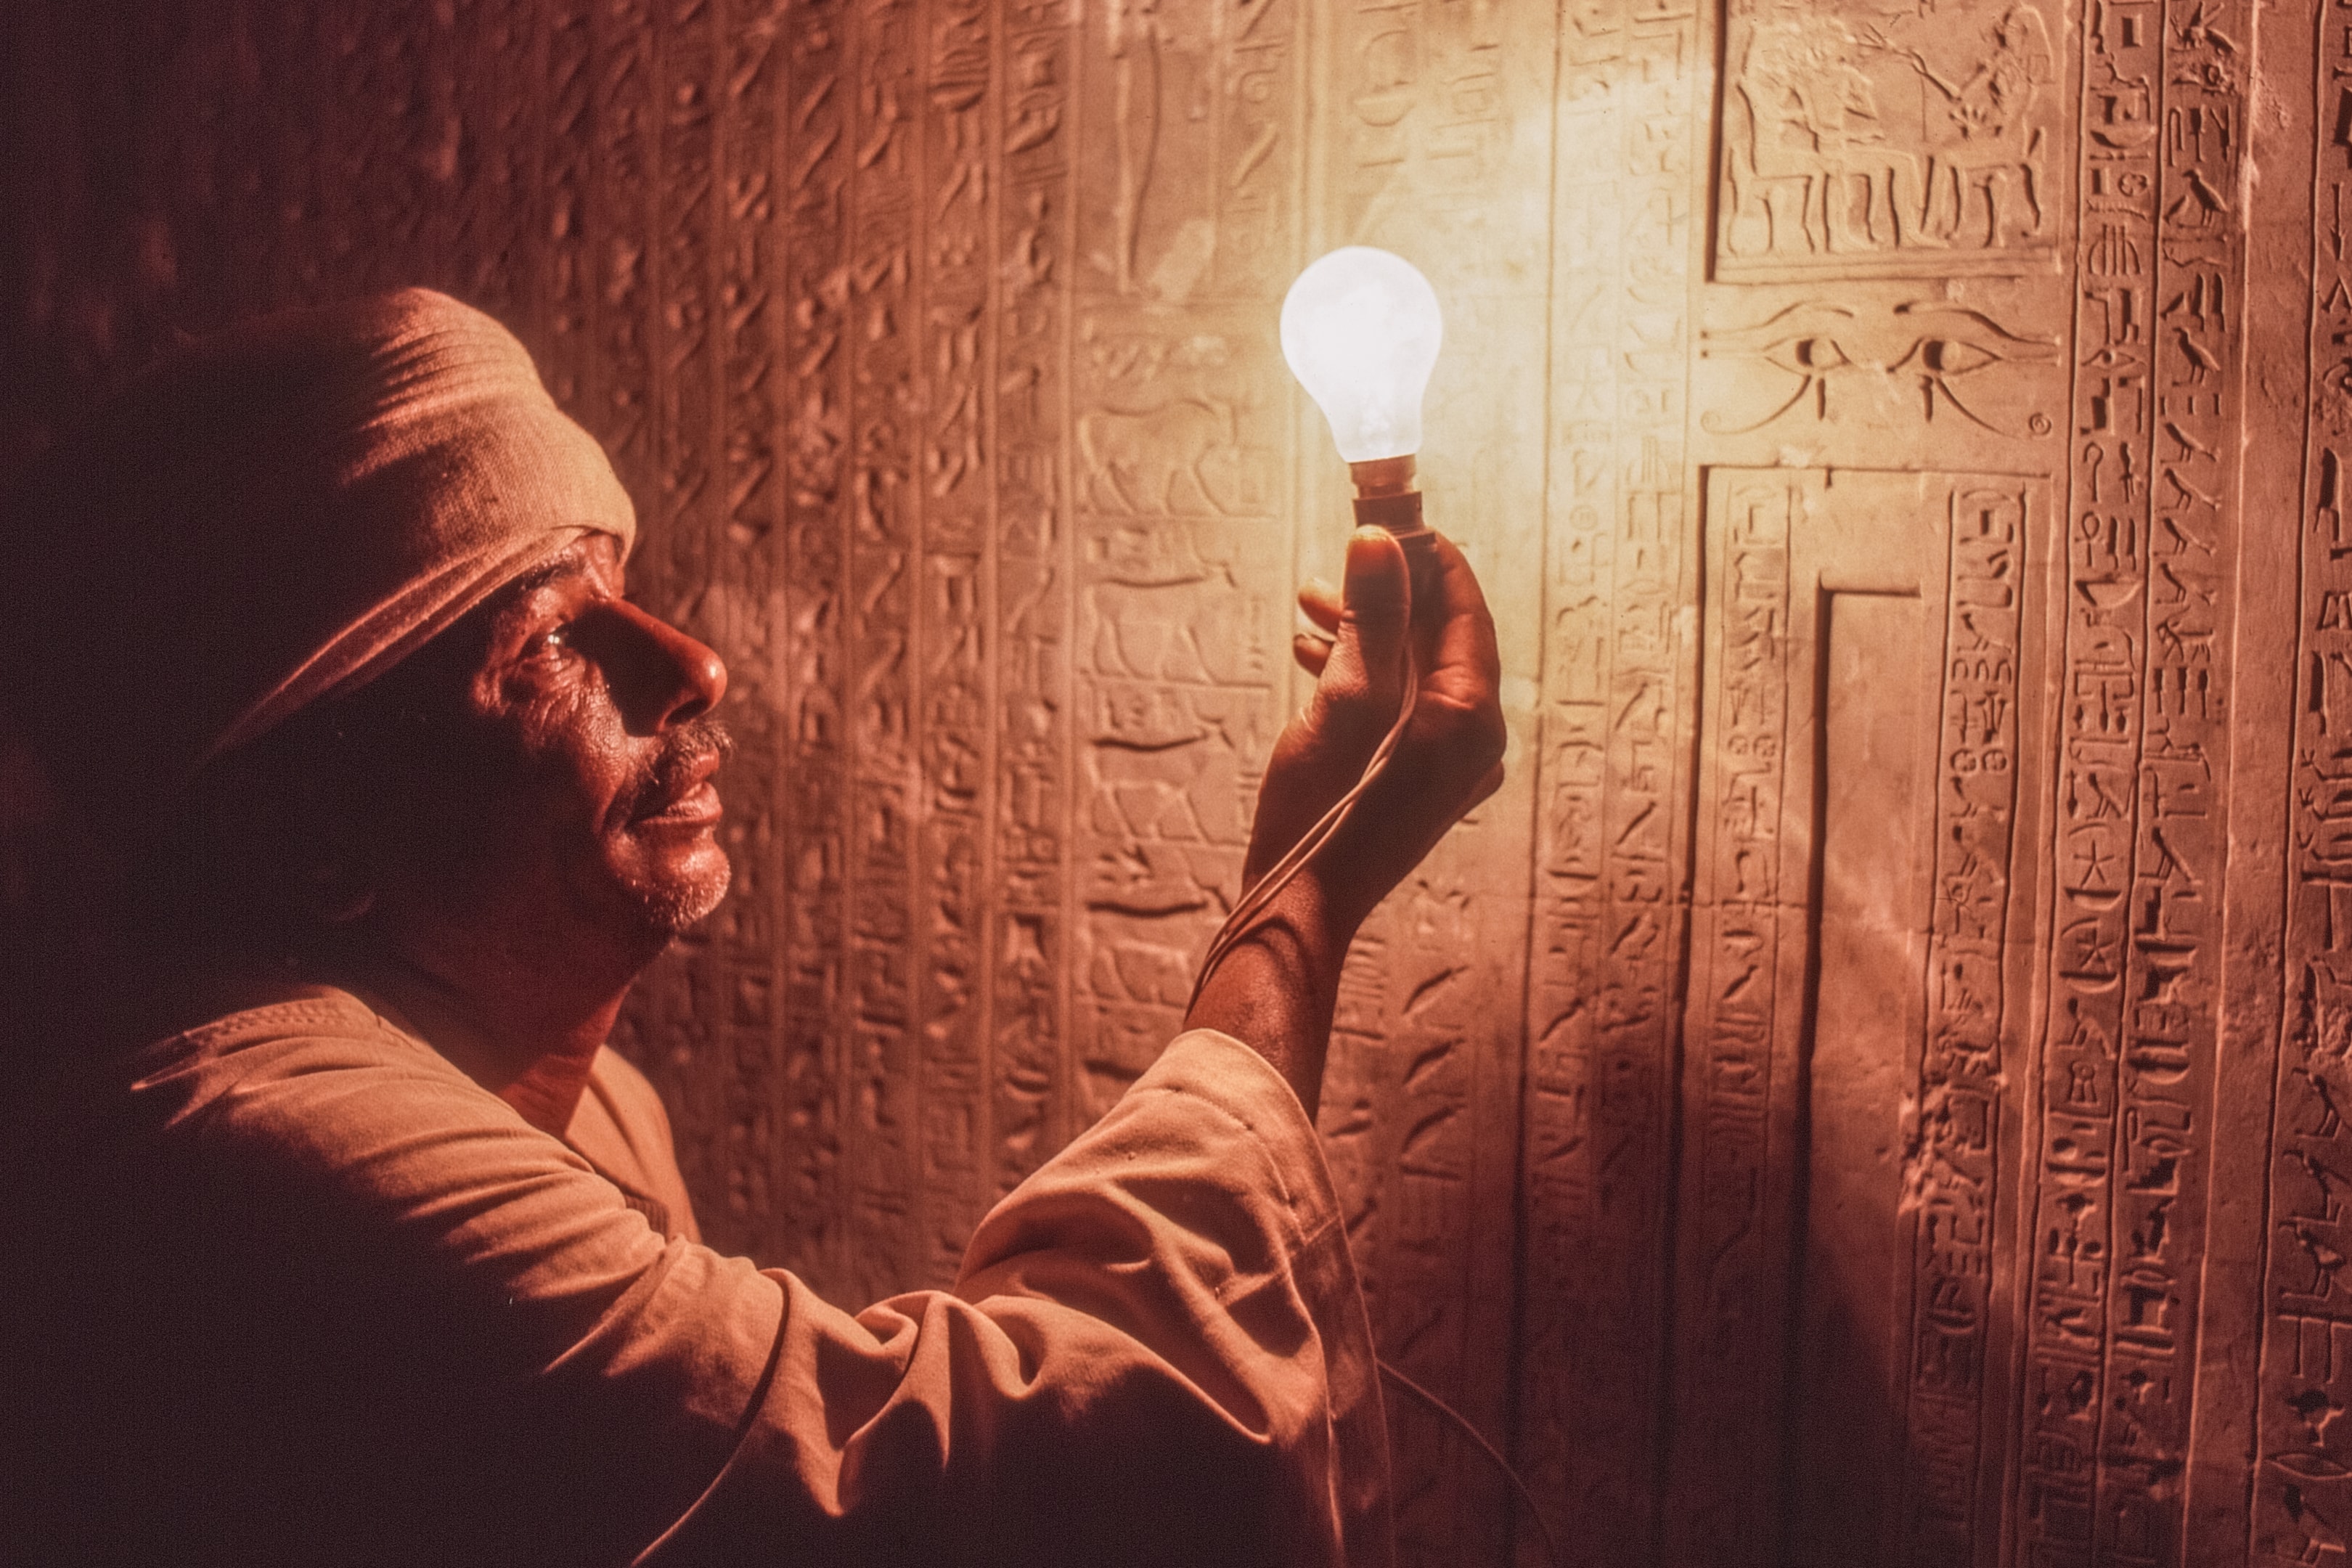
(661,677)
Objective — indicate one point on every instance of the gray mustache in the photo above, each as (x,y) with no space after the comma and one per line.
(688,747)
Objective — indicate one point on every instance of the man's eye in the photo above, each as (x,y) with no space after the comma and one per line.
(553,645)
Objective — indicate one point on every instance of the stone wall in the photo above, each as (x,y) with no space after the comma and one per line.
(1869,1088)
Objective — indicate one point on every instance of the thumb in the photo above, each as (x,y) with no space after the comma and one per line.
(1363,681)
(1376,599)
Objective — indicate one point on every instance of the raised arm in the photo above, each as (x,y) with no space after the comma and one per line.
(1276,989)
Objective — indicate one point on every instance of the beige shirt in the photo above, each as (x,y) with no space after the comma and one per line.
(622,1131)
(298,1291)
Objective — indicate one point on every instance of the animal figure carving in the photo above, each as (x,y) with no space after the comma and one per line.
(1147,793)
(1823,156)
(1171,460)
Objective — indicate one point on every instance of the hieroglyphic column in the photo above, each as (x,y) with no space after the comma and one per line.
(487,154)
(624,191)
(414,230)
(2302,1486)
(811,184)
(432,148)
(2126,1065)
(1725,1347)
(1027,942)
(954,269)
(559,164)
(2157,1221)
(1606,942)
(738,600)
(1996,533)
(882,524)
(2099,731)
(1188,118)
(380,196)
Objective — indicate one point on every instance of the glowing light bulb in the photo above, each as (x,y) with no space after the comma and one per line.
(1361,329)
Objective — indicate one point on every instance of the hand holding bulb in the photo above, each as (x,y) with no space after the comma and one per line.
(1361,330)
(1449,757)
(1352,800)
(1404,731)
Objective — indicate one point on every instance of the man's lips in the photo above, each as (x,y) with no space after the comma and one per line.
(698,808)
(691,800)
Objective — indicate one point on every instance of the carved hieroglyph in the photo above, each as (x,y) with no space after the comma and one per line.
(1873,1087)
(1858,141)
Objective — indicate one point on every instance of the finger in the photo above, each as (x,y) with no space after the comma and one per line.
(1487,787)
(1320,603)
(1311,652)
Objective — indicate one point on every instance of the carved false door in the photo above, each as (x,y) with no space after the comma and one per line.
(1857,809)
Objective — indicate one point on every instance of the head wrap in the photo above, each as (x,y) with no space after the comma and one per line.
(275,516)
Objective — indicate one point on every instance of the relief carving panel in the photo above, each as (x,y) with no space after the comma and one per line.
(1860,143)
(1847,1006)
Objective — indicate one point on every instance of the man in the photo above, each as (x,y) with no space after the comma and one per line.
(337,1236)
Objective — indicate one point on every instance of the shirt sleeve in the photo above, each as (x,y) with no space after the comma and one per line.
(1155,1352)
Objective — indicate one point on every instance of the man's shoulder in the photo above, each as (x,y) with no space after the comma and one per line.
(227,1051)
(284,1096)
(241,1018)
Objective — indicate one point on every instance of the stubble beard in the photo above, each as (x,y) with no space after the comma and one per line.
(667,908)
(667,911)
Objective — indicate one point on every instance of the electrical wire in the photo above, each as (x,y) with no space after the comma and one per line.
(1245,913)
(1239,923)
(1493,1455)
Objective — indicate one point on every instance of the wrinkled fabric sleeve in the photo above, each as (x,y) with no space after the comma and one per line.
(1155,1352)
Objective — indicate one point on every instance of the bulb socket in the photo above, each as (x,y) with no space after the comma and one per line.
(1383,476)
(1386,497)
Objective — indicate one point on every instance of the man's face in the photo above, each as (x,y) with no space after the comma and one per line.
(573,801)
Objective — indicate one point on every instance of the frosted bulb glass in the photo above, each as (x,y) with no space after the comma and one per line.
(1361,329)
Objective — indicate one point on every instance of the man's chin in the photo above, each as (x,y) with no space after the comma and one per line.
(681,895)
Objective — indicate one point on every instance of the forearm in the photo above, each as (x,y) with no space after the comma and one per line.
(1278,987)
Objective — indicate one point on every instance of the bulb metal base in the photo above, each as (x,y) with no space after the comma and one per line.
(1387,497)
